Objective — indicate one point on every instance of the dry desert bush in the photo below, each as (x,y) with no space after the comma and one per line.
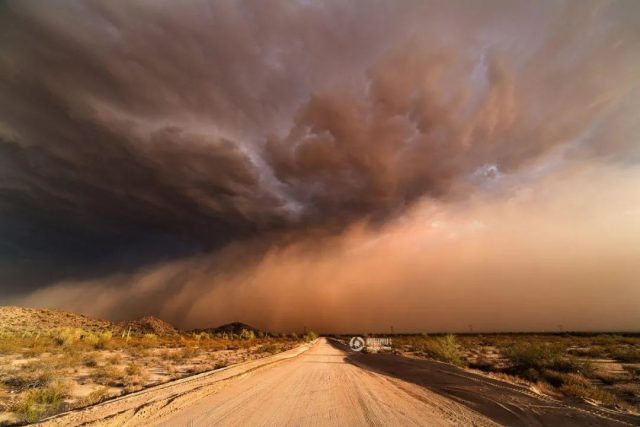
(601,368)
(41,373)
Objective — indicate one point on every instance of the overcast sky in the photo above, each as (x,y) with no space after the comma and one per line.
(344,166)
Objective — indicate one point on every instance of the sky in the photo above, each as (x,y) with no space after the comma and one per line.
(340,166)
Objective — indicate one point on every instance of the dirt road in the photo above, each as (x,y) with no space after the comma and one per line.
(330,386)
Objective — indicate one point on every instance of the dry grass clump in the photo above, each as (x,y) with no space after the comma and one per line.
(133,369)
(10,344)
(222,363)
(188,352)
(627,355)
(21,381)
(114,359)
(577,386)
(107,375)
(270,348)
(135,378)
(94,397)
(90,360)
(596,351)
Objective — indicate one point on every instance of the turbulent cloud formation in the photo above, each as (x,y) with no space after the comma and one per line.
(544,257)
(131,134)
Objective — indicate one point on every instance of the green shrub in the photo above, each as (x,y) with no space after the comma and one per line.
(527,355)
(444,349)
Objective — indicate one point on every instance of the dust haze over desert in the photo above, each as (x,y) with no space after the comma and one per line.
(431,166)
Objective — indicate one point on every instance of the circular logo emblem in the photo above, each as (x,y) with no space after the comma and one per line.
(356,343)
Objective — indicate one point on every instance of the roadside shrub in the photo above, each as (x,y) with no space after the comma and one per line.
(270,348)
(416,343)
(41,402)
(35,348)
(94,397)
(579,387)
(528,355)
(188,352)
(114,359)
(310,336)
(483,364)
(104,339)
(201,336)
(133,369)
(107,375)
(607,378)
(632,370)
(247,335)
(444,349)
(135,379)
(67,336)
(90,361)
(529,359)
(627,355)
(10,344)
(594,352)
(22,381)
(220,364)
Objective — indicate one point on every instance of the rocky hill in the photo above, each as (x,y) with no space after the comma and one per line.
(230,328)
(24,319)
(146,325)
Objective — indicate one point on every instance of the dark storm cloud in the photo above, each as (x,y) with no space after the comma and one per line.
(136,125)
(141,119)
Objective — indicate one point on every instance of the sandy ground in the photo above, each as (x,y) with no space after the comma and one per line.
(327,385)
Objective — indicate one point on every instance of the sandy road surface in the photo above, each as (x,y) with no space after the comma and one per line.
(320,388)
(327,385)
